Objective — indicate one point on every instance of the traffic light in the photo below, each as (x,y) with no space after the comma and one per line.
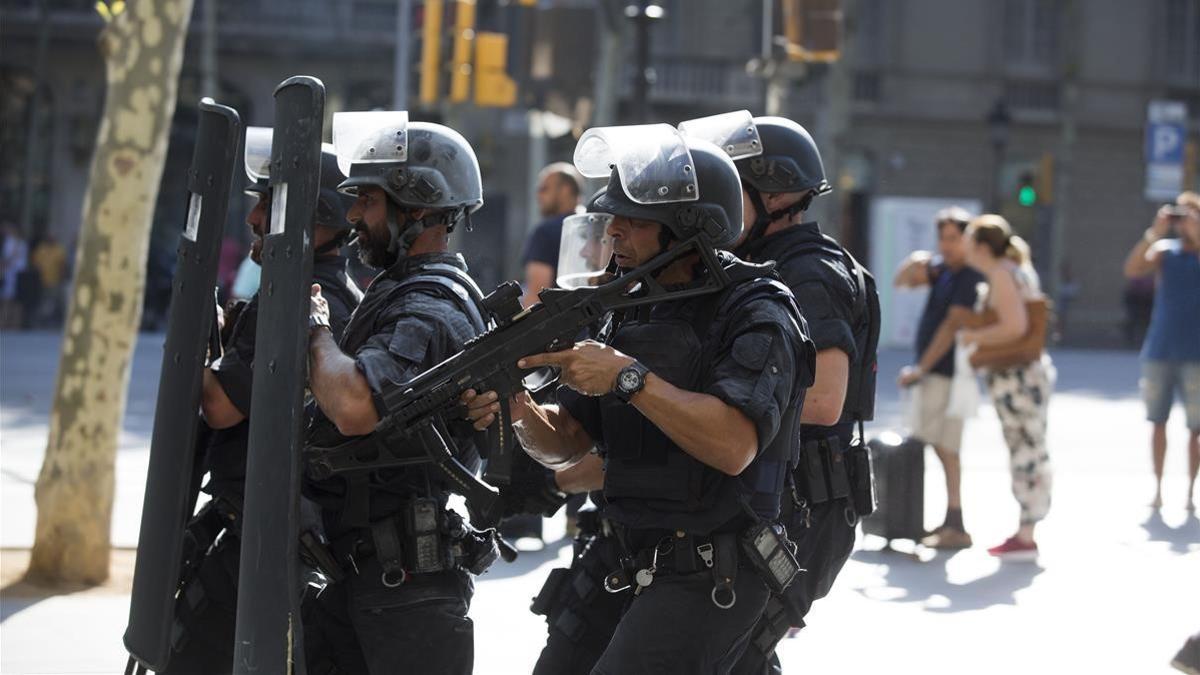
(1035,185)
(493,87)
(1026,192)
(812,29)
(431,52)
(464,38)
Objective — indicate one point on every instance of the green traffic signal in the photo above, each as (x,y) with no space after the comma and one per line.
(1027,196)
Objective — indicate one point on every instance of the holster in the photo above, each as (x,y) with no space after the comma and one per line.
(862,478)
(423,538)
(822,474)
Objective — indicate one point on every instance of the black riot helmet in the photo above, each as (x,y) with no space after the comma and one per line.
(689,186)
(773,155)
(331,204)
(419,165)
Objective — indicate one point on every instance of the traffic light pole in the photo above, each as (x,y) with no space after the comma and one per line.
(403,50)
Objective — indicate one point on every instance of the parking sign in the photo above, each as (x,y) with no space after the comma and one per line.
(1166,136)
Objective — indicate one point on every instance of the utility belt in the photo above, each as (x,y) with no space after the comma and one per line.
(828,470)
(763,547)
(423,538)
(592,523)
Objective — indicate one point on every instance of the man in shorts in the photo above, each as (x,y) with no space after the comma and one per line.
(1170,250)
(953,288)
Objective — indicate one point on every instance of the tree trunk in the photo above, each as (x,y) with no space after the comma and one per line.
(143,50)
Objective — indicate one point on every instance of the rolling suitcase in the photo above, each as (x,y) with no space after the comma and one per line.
(899,465)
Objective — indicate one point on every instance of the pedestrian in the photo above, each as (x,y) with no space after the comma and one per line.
(407,558)
(50,259)
(29,286)
(1170,250)
(1020,393)
(693,403)
(245,283)
(13,259)
(953,290)
(558,190)
(206,608)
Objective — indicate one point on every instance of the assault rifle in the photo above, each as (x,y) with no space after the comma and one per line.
(418,410)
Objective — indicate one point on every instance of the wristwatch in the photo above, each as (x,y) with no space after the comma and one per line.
(630,381)
(318,322)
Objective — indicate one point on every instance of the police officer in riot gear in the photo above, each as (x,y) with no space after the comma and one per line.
(781,173)
(207,603)
(402,605)
(690,402)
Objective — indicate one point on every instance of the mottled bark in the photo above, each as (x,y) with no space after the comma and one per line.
(143,50)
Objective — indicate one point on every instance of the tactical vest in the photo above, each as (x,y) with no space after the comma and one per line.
(358,504)
(860,385)
(650,482)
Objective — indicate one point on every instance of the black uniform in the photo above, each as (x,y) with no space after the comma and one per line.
(818,513)
(207,606)
(415,315)
(748,347)
(581,615)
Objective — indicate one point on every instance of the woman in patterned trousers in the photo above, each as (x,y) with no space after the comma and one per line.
(1021,394)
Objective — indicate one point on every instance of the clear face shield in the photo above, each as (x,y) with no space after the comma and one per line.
(733,132)
(585,250)
(370,137)
(258,156)
(652,161)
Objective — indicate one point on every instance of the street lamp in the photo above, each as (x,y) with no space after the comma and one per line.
(999,127)
(642,13)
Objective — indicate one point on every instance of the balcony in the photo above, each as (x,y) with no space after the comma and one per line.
(249,24)
(684,79)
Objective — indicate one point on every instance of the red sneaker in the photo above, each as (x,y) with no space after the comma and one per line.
(1016,550)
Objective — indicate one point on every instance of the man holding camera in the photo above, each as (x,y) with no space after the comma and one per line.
(1171,351)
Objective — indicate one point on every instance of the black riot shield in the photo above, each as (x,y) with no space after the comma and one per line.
(269,592)
(170,486)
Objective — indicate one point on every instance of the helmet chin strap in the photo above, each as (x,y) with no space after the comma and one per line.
(402,238)
(764,218)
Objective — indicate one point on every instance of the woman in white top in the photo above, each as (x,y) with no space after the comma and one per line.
(1020,394)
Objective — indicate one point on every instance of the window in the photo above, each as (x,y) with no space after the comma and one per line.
(1182,42)
(867,49)
(1032,29)
(867,34)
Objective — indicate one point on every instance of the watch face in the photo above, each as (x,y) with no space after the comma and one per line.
(629,379)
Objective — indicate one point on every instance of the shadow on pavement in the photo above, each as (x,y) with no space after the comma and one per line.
(20,595)
(1178,537)
(926,582)
(526,562)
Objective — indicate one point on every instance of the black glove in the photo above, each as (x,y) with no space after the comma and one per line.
(233,310)
(532,491)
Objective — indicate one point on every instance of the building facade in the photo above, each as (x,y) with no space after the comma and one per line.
(903,115)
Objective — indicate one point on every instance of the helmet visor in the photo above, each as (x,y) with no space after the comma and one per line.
(585,250)
(733,132)
(367,137)
(652,160)
(258,153)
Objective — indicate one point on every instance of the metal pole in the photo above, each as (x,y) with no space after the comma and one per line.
(208,51)
(608,69)
(401,61)
(997,163)
(832,122)
(641,83)
(32,144)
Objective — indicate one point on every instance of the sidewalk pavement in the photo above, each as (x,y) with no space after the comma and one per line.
(1116,589)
